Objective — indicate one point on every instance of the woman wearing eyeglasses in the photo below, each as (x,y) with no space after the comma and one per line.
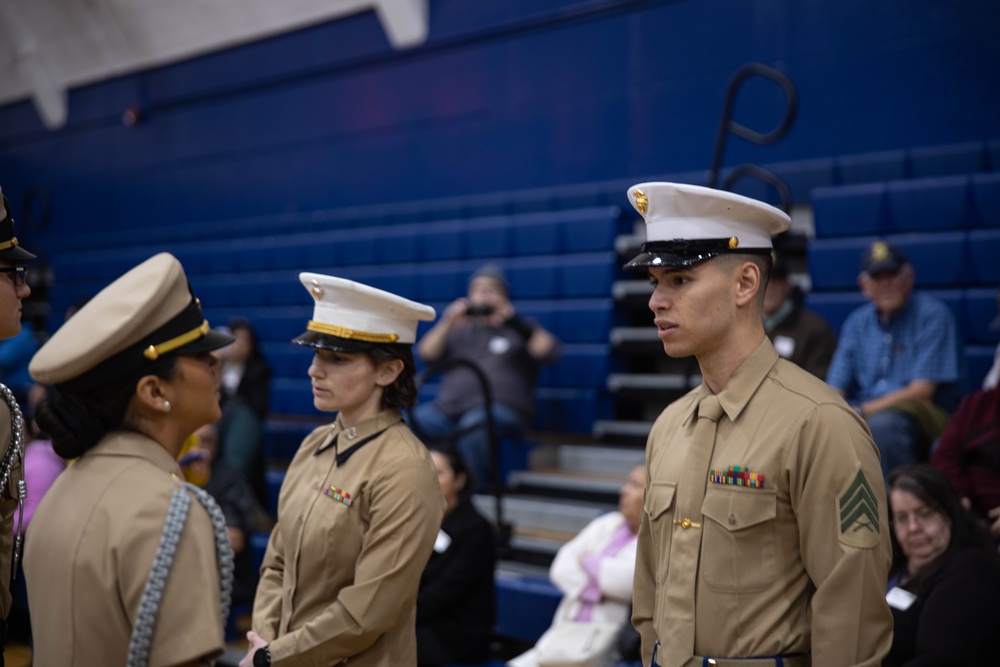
(13,290)
(945,582)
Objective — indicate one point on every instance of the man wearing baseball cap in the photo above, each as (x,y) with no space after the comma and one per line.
(765,534)
(899,361)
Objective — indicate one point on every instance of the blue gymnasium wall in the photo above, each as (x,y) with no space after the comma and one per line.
(506,94)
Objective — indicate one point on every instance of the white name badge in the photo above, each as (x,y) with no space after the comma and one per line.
(442,542)
(900,599)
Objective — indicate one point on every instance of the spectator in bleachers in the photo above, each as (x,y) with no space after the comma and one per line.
(968,453)
(797,333)
(945,582)
(594,571)
(455,605)
(203,466)
(899,361)
(484,328)
(360,506)
(245,372)
(132,377)
(246,391)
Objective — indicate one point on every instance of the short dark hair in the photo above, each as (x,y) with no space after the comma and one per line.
(77,420)
(726,261)
(456,461)
(402,393)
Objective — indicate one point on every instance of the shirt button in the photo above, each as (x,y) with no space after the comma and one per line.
(732,519)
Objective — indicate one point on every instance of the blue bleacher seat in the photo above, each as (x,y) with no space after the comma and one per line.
(986,198)
(489,237)
(582,365)
(282,438)
(849,210)
(980,311)
(834,263)
(872,167)
(590,229)
(835,306)
(803,176)
(978,361)
(587,274)
(537,234)
(939,258)
(441,241)
(533,277)
(445,281)
(525,606)
(963,158)
(571,409)
(984,249)
(930,203)
(584,320)
(955,300)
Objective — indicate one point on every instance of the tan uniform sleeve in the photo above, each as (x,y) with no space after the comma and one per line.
(839,499)
(644,580)
(405,514)
(189,624)
(267,601)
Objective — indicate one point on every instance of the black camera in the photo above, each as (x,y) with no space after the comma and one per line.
(479,311)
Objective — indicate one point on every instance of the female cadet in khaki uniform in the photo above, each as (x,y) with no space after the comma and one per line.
(360,507)
(132,378)
(13,289)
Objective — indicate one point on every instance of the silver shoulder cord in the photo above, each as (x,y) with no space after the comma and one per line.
(15,451)
(152,595)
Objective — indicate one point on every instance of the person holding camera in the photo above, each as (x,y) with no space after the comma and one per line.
(485,329)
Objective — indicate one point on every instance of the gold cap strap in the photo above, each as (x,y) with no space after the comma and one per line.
(153,352)
(343,332)
(9,244)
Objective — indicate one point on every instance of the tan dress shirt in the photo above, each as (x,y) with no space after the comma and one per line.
(8,511)
(797,566)
(339,579)
(88,554)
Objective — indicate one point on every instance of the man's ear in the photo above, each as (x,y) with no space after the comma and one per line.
(748,283)
(388,371)
(152,394)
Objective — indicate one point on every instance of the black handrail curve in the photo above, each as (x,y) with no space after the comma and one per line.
(503,529)
(728,126)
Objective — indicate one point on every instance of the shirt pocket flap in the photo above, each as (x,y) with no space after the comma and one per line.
(736,509)
(659,499)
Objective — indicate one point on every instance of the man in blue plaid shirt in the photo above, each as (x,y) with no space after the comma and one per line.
(899,361)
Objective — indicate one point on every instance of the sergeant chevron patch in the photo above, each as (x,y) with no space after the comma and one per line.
(858,513)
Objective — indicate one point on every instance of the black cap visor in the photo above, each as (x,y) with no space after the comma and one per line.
(681,253)
(322,341)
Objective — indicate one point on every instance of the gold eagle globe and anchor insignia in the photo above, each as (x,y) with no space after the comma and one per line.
(879,251)
(641,201)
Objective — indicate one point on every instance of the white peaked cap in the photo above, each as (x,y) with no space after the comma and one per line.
(710,221)
(350,316)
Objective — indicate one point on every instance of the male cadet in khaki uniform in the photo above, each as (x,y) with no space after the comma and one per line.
(13,290)
(765,530)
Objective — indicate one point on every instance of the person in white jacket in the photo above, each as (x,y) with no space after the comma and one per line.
(594,570)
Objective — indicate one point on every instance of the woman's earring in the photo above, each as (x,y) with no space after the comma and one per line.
(166,404)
